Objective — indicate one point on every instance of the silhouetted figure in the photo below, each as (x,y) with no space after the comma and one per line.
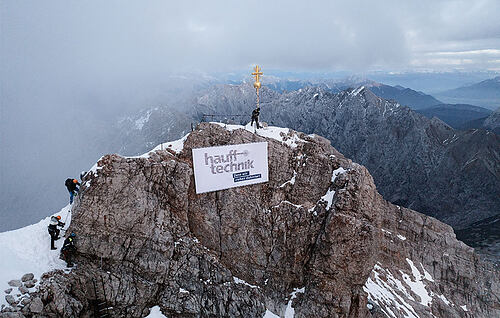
(69,249)
(255,117)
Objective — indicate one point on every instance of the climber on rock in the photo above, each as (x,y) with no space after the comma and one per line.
(71,185)
(69,249)
(55,221)
(255,117)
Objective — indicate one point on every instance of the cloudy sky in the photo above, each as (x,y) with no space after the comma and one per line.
(68,66)
(109,38)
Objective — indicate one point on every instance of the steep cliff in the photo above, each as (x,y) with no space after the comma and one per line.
(317,240)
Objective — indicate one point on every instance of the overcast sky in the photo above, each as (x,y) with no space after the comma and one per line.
(112,38)
(67,66)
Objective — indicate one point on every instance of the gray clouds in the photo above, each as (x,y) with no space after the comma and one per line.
(110,40)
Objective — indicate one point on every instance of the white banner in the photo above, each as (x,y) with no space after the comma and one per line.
(223,167)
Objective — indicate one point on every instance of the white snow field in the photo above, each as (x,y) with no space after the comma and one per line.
(155,313)
(27,250)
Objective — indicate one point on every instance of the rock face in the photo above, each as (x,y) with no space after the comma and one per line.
(317,240)
(27,277)
(493,121)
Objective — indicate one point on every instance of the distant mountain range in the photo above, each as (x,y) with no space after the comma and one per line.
(458,116)
(404,96)
(485,94)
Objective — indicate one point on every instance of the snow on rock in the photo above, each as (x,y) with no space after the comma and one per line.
(241,281)
(269,314)
(328,197)
(444,299)
(464,307)
(95,168)
(357,90)
(155,312)
(384,290)
(283,135)
(401,237)
(27,250)
(289,311)
(417,285)
(176,146)
(291,181)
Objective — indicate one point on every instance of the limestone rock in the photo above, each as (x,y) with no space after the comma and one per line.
(25,301)
(11,315)
(322,245)
(27,277)
(30,284)
(36,305)
(23,290)
(10,300)
(15,283)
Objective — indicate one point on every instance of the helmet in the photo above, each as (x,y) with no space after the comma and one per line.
(58,217)
(75,181)
(72,235)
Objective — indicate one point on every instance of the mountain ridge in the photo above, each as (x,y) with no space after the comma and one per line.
(321,245)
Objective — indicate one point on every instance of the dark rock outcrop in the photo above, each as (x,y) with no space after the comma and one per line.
(317,240)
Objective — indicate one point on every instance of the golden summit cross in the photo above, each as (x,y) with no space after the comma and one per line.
(257,73)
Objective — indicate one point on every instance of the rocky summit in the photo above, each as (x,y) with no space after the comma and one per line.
(317,240)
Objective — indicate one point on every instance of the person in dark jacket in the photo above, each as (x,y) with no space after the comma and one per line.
(255,117)
(69,249)
(72,186)
(55,221)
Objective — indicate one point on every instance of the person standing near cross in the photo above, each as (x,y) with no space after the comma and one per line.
(256,112)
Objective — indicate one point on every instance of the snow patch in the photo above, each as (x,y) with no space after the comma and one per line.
(155,312)
(401,237)
(182,290)
(382,288)
(288,202)
(417,286)
(95,168)
(27,250)
(464,307)
(328,197)
(241,281)
(269,314)
(444,299)
(176,146)
(291,181)
(357,90)
(289,311)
